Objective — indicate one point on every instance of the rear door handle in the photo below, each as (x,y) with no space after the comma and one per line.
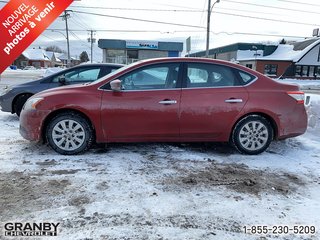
(168,102)
(234,100)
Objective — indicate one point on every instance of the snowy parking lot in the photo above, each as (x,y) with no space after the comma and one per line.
(163,191)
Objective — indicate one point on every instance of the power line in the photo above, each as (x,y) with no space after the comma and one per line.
(43,35)
(216,33)
(140,20)
(248,11)
(185,25)
(80,20)
(78,24)
(282,8)
(170,5)
(267,19)
(258,34)
(303,3)
(76,36)
(123,30)
(199,37)
(141,9)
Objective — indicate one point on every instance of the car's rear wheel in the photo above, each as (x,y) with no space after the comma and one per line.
(252,135)
(69,133)
(21,100)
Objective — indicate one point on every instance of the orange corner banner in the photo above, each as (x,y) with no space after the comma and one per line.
(21,22)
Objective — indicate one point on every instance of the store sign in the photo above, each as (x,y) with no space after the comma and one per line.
(142,44)
(21,22)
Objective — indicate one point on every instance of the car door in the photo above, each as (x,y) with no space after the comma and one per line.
(77,75)
(211,99)
(147,108)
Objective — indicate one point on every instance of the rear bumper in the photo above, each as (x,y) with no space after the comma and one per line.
(31,124)
(293,124)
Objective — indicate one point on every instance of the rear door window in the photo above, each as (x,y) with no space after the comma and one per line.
(201,75)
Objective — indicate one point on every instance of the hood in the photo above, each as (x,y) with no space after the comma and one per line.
(63,90)
(27,84)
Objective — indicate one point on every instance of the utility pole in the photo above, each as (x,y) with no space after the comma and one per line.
(208,25)
(65,17)
(92,41)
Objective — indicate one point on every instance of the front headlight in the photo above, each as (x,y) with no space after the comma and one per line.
(32,103)
(5,90)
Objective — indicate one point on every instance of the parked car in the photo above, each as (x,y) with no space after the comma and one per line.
(29,68)
(13,98)
(168,100)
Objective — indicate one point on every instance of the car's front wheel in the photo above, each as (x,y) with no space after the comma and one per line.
(69,133)
(252,135)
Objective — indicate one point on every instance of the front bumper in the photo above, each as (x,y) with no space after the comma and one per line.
(32,123)
(5,104)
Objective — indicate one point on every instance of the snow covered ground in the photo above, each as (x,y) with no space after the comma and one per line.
(304,84)
(162,191)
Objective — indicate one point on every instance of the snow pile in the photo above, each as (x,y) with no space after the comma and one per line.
(50,71)
(306,84)
(314,114)
(248,54)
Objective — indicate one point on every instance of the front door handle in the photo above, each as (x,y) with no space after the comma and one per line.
(168,102)
(234,100)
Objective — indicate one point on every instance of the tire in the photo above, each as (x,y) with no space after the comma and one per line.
(18,105)
(252,135)
(69,134)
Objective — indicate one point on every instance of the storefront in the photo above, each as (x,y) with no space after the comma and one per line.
(128,51)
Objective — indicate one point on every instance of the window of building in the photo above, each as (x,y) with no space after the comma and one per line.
(311,71)
(249,66)
(270,69)
(298,71)
(134,54)
(317,72)
(305,71)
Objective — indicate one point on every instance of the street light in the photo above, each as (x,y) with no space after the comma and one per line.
(208,24)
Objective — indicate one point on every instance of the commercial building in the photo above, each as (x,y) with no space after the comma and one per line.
(128,51)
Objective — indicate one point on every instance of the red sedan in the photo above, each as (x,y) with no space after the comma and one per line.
(168,100)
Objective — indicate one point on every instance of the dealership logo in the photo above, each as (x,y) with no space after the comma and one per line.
(136,44)
(14,229)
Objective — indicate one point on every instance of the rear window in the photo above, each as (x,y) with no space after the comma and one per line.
(246,77)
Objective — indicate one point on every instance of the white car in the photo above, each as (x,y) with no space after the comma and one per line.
(29,68)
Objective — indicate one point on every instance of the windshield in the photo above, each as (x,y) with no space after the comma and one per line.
(114,73)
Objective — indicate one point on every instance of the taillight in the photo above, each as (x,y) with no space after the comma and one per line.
(298,96)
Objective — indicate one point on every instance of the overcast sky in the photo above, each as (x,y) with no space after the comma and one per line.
(231,21)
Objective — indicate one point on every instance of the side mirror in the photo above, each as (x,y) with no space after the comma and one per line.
(116,85)
(62,80)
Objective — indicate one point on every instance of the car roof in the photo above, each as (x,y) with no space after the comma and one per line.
(98,64)
(191,59)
